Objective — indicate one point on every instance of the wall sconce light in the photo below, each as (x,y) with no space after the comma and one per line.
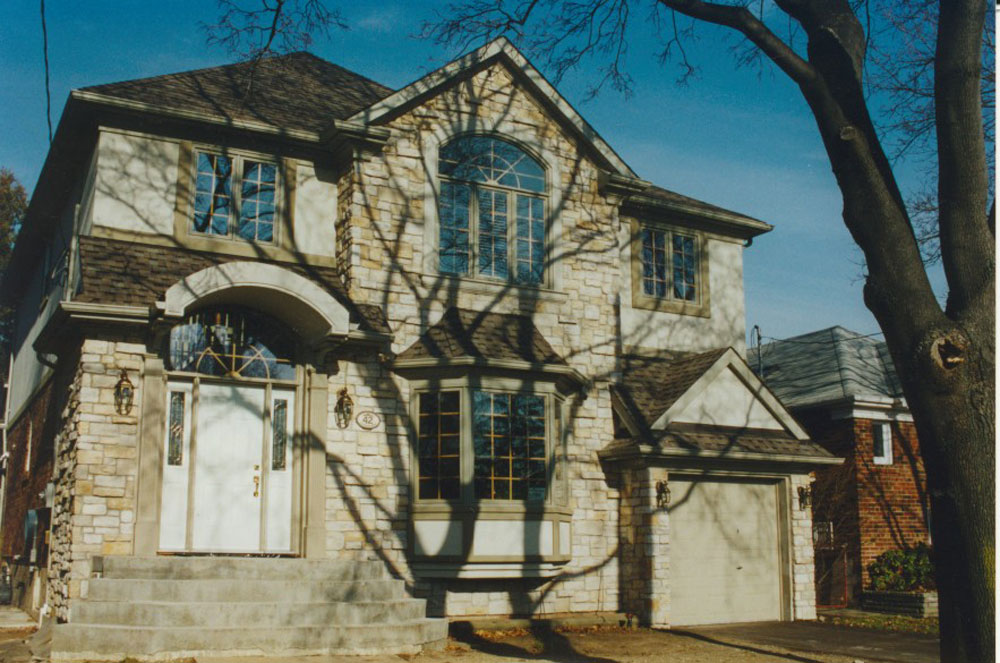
(805,497)
(124,393)
(344,409)
(662,494)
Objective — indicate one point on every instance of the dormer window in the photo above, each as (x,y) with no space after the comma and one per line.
(491,211)
(235,196)
(669,270)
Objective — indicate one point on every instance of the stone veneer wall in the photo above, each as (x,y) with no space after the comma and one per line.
(385,220)
(644,532)
(96,470)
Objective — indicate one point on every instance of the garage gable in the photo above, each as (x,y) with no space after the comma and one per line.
(728,394)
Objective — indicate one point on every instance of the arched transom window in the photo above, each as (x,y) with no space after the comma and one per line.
(491,211)
(232,343)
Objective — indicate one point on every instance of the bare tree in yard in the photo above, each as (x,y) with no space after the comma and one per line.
(944,355)
(255,29)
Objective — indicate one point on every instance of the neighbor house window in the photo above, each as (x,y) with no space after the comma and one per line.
(882,443)
(669,270)
(234,196)
(491,211)
(507,439)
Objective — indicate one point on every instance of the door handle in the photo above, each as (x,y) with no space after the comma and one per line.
(256,486)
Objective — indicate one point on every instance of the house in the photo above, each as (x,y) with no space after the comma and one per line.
(444,331)
(843,388)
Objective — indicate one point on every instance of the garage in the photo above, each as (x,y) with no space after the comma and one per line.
(726,543)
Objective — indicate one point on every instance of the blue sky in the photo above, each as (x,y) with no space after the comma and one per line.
(733,137)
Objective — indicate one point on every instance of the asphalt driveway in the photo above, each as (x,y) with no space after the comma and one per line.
(862,644)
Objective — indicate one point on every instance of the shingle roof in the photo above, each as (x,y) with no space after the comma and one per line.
(730,442)
(650,385)
(826,365)
(120,272)
(465,333)
(294,91)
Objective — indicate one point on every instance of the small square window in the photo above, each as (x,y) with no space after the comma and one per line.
(669,270)
(882,443)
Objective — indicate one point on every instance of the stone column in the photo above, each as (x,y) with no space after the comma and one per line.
(645,547)
(151,435)
(803,569)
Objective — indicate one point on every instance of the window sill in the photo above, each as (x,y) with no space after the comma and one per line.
(500,507)
(469,285)
(472,570)
(677,307)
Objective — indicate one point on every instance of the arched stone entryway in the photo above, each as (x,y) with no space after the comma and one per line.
(234,407)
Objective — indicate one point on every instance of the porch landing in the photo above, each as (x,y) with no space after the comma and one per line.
(163,608)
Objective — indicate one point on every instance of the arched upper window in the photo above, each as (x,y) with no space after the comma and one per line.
(232,343)
(491,211)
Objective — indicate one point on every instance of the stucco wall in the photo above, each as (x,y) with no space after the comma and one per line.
(726,325)
(136,183)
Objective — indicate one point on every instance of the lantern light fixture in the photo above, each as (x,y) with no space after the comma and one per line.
(662,494)
(805,497)
(124,394)
(344,410)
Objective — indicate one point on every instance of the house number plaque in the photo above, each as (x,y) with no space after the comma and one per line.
(368,419)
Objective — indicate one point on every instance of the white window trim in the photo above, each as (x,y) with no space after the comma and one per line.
(238,158)
(886,432)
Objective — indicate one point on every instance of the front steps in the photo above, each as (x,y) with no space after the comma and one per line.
(162,608)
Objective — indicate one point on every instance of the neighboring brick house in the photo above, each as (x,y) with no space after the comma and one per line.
(444,328)
(843,388)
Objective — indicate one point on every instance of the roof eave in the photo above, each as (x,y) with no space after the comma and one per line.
(499,47)
(647,451)
(561,371)
(722,221)
(189,115)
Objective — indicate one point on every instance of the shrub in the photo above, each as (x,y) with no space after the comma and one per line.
(908,570)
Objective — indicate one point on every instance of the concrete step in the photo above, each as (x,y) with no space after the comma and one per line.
(236,615)
(86,642)
(233,591)
(248,568)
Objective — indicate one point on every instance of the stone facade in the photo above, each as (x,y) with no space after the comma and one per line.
(96,470)
(387,282)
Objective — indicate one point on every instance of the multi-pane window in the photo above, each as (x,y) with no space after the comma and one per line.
(232,343)
(669,265)
(234,196)
(509,445)
(439,442)
(491,211)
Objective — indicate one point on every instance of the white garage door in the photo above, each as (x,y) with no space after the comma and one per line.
(724,560)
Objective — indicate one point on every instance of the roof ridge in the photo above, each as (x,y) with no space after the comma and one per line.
(233,66)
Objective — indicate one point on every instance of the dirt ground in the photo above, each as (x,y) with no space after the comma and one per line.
(583,645)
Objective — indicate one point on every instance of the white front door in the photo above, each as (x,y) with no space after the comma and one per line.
(227,468)
(227,483)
